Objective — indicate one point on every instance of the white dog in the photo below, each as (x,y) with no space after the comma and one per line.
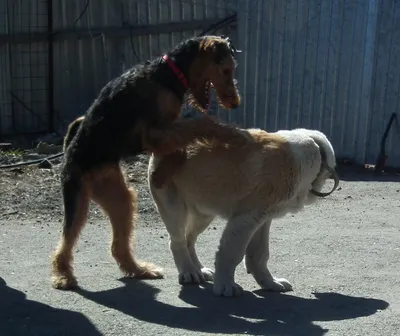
(248,184)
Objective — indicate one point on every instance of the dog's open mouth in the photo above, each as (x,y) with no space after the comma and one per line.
(227,98)
(201,98)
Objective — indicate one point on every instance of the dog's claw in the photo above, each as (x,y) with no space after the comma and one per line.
(276,285)
(231,289)
(208,274)
(191,277)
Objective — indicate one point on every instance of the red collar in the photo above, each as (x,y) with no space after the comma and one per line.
(177,72)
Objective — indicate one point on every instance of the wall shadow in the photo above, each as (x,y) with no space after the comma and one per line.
(278,314)
(20,316)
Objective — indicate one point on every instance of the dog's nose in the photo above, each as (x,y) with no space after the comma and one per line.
(235,105)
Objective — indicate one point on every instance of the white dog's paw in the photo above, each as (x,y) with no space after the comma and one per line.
(208,274)
(275,284)
(229,289)
(192,276)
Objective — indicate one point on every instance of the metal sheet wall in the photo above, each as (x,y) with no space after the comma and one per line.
(329,65)
(385,82)
(23,68)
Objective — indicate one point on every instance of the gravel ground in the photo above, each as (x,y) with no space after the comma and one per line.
(341,255)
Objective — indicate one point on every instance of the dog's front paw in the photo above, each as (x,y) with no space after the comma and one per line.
(208,274)
(191,276)
(227,288)
(275,284)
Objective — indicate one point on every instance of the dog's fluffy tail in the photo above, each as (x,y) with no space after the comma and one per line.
(73,128)
(327,156)
(324,144)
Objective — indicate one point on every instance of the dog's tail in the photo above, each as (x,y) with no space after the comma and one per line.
(72,186)
(73,128)
(328,160)
(326,149)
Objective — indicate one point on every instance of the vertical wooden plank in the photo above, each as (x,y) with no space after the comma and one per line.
(290,15)
(309,63)
(385,25)
(6,106)
(258,82)
(365,97)
(267,55)
(278,57)
(244,58)
(347,49)
(277,26)
(261,60)
(288,115)
(333,66)
(251,62)
(321,72)
(353,112)
(392,93)
(312,57)
(300,39)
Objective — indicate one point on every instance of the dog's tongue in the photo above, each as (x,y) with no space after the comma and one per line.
(208,91)
(207,107)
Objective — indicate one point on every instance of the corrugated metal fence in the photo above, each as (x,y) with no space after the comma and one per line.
(23,67)
(333,65)
(326,64)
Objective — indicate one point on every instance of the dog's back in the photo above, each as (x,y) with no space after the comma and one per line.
(273,171)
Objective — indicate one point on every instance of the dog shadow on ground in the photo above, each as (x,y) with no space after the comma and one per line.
(264,313)
(20,316)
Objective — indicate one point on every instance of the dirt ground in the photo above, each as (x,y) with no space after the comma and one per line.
(341,255)
(34,194)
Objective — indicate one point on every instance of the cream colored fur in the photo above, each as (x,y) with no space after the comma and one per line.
(248,185)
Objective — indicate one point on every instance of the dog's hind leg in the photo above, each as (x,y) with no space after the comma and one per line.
(257,255)
(76,204)
(109,190)
(197,223)
(174,213)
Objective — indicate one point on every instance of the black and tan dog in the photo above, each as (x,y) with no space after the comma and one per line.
(134,113)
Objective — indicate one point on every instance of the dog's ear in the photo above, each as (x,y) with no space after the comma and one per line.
(207,44)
